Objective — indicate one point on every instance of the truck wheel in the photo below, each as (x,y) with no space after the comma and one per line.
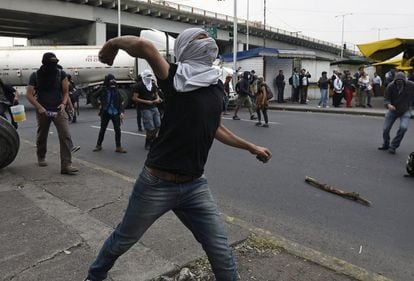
(9,143)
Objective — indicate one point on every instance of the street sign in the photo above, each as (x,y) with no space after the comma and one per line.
(212,31)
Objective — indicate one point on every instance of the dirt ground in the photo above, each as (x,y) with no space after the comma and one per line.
(259,260)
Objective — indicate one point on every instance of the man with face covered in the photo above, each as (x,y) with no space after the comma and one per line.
(172,178)
(398,98)
(51,87)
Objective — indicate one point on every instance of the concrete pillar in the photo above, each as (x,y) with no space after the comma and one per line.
(96,34)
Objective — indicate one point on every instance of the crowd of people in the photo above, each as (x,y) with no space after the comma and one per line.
(191,119)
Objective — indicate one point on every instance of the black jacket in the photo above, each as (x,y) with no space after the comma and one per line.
(402,101)
(103,100)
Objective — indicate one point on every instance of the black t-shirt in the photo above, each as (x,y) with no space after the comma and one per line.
(187,129)
(49,96)
(145,95)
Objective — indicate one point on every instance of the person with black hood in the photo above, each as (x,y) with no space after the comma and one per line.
(111,108)
(244,96)
(398,98)
(173,176)
(51,87)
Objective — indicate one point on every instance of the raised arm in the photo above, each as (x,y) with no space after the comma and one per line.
(225,136)
(135,47)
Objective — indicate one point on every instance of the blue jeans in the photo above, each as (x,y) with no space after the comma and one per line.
(390,118)
(324,97)
(151,118)
(192,203)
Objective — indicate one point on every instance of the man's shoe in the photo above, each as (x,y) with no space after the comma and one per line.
(252,117)
(42,162)
(369,105)
(384,147)
(75,148)
(258,124)
(97,148)
(391,150)
(69,170)
(120,149)
(265,125)
(235,117)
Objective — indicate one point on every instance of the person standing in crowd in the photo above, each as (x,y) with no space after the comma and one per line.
(398,98)
(139,117)
(280,86)
(294,80)
(303,85)
(359,102)
(73,98)
(111,108)
(253,88)
(338,88)
(365,89)
(8,98)
(172,178)
(262,103)
(146,96)
(323,84)
(244,96)
(389,76)
(52,90)
(349,88)
(226,97)
(376,85)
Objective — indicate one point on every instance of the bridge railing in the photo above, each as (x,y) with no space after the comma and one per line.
(230,19)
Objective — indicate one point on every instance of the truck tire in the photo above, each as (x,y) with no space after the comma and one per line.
(9,143)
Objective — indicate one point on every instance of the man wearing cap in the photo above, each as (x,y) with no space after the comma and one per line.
(52,93)
(398,98)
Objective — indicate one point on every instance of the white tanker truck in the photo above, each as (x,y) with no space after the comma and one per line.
(82,63)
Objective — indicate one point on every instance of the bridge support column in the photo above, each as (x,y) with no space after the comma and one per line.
(97,34)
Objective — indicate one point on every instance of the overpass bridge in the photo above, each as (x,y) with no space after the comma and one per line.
(92,22)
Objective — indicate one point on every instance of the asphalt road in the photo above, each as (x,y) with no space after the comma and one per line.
(340,150)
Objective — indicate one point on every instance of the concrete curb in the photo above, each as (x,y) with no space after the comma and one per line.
(332,263)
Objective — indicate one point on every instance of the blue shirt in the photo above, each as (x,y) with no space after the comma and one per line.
(111,109)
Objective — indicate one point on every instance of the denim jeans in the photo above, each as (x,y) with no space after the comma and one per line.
(390,118)
(151,118)
(324,97)
(192,203)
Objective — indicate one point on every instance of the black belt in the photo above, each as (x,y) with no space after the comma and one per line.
(170,177)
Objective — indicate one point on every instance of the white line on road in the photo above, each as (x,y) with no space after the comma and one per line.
(123,132)
(247,120)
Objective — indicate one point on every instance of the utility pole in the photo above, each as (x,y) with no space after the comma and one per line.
(343,27)
(119,18)
(247,27)
(264,23)
(235,44)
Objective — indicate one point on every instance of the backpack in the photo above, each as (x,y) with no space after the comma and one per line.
(291,80)
(268,91)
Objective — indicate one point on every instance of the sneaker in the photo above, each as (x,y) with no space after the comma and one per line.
(69,170)
(235,117)
(97,148)
(319,106)
(391,150)
(265,125)
(327,106)
(75,148)
(369,105)
(258,124)
(120,149)
(252,117)
(383,147)
(42,162)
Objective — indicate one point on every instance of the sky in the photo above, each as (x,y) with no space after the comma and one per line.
(366,21)
(321,19)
